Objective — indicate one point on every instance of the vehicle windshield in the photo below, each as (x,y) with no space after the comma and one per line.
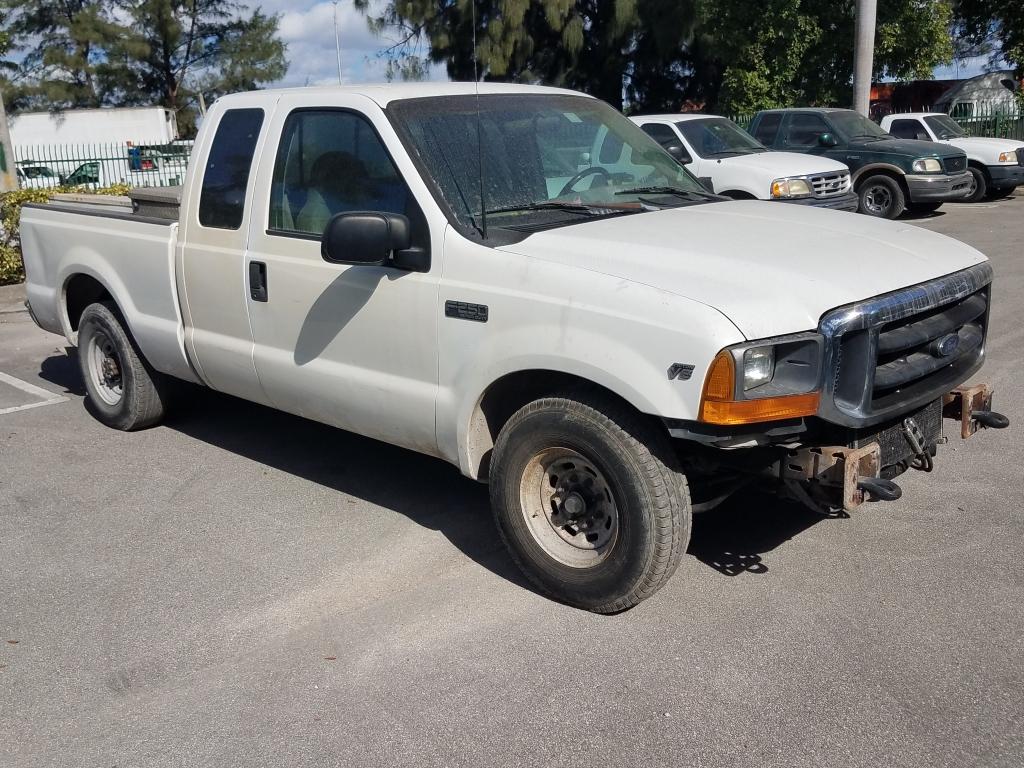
(547,160)
(718,137)
(854,125)
(944,127)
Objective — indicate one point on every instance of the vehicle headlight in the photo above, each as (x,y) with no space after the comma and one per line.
(927,165)
(765,380)
(784,188)
(1008,157)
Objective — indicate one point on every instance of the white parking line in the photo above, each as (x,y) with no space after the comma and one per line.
(48,398)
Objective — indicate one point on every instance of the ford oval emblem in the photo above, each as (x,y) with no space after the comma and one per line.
(947,345)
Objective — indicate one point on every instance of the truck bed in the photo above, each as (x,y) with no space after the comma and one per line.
(130,254)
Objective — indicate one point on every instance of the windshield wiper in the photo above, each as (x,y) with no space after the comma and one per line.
(687,194)
(551,205)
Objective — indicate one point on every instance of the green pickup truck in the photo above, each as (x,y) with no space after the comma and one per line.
(890,175)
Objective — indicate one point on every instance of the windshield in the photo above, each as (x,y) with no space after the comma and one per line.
(548,160)
(854,125)
(944,127)
(718,137)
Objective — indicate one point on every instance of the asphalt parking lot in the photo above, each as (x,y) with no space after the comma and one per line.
(242,587)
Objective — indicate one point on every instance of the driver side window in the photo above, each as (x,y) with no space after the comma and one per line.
(331,162)
(803,130)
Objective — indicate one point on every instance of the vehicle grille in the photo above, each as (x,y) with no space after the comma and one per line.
(831,184)
(898,351)
(1020,156)
(955,164)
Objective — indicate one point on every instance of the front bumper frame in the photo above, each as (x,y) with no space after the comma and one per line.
(847,202)
(938,187)
(838,471)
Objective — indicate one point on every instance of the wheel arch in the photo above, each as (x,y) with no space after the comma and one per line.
(881,169)
(739,194)
(79,290)
(510,392)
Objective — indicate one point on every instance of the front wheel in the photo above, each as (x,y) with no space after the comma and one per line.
(590,501)
(978,188)
(124,391)
(881,196)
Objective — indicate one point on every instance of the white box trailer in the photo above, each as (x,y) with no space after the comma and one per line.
(110,125)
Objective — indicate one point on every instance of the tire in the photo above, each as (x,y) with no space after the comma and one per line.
(881,196)
(1000,193)
(124,391)
(924,207)
(979,186)
(589,456)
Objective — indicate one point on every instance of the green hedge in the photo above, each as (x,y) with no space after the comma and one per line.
(11,268)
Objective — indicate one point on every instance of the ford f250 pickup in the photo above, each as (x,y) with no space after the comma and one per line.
(606,343)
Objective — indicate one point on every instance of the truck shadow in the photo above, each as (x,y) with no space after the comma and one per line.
(730,540)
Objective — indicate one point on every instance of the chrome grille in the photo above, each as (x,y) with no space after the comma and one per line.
(955,164)
(896,352)
(831,184)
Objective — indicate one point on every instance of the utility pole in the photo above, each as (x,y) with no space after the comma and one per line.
(8,176)
(337,40)
(864,55)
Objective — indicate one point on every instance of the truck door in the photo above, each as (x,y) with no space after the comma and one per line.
(211,279)
(352,346)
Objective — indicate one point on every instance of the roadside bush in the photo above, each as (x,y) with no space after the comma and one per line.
(12,270)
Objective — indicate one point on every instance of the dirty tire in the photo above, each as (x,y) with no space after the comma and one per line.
(643,483)
(881,196)
(127,394)
(979,186)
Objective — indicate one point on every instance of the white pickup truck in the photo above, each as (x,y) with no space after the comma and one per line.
(742,168)
(611,347)
(996,165)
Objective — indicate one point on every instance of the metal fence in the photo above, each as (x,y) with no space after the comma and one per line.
(47,166)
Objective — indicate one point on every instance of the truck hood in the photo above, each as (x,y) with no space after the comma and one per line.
(905,147)
(984,146)
(771,268)
(779,164)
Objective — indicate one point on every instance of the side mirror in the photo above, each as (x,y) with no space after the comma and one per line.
(372,238)
(827,140)
(678,151)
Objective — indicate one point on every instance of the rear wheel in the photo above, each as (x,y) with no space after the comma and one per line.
(590,501)
(978,188)
(881,196)
(1000,192)
(123,390)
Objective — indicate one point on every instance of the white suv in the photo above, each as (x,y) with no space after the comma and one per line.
(740,167)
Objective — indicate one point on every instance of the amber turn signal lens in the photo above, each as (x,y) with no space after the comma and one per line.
(721,378)
(764,409)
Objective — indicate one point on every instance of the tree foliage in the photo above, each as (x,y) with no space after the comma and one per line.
(729,54)
(994,26)
(129,52)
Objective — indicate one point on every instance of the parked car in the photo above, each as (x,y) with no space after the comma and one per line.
(610,350)
(742,168)
(889,174)
(996,165)
(982,97)
(37,176)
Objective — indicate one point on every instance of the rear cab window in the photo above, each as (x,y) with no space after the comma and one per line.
(228,166)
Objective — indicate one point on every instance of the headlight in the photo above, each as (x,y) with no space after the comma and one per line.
(782,188)
(927,165)
(764,381)
(1008,157)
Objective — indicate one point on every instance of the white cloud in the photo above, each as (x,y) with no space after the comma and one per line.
(312,57)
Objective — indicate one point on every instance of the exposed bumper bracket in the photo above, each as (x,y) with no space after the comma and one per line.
(838,471)
(972,407)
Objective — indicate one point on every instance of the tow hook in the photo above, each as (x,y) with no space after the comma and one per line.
(972,407)
(879,489)
(991,419)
